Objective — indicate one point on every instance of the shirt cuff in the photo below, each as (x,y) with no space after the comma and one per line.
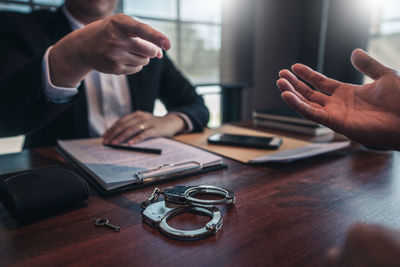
(54,93)
(188,122)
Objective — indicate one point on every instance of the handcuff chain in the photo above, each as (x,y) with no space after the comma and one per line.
(153,197)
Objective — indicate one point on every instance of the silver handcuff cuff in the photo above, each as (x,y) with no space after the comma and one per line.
(182,199)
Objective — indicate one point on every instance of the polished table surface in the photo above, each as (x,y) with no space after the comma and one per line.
(285,215)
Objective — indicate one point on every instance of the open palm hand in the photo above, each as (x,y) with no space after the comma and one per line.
(369,114)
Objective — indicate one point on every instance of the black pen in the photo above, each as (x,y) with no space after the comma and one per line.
(137,149)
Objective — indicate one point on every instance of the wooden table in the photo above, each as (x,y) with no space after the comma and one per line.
(285,215)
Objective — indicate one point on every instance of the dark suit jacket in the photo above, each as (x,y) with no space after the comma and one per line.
(24,108)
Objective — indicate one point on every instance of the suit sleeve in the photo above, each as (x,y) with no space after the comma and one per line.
(178,95)
(24,108)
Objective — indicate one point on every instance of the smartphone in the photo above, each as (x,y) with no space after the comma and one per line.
(245,141)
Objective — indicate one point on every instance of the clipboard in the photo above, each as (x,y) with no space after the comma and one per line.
(82,155)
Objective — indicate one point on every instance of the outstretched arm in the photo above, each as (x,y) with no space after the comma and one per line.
(369,114)
(117,45)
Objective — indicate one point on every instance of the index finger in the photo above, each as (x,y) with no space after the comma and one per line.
(315,78)
(144,31)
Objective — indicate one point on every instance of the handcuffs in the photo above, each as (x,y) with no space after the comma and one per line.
(182,199)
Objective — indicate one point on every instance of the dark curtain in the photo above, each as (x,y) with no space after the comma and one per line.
(348,28)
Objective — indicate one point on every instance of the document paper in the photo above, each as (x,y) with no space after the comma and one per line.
(113,168)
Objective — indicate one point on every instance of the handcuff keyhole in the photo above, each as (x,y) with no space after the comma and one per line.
(188,221)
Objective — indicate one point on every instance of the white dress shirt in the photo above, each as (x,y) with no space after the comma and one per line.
(108,95)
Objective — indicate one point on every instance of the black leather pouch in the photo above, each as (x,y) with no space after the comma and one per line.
(40,192)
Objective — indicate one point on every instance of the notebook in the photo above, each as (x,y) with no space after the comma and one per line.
(283,115)
(288,120)
(115,170)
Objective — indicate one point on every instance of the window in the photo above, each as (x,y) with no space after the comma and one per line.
(194,27)
(384,43)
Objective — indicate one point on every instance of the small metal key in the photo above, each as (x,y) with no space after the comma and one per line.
(104,221)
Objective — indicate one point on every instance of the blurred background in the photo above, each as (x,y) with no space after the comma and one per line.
(232,50)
